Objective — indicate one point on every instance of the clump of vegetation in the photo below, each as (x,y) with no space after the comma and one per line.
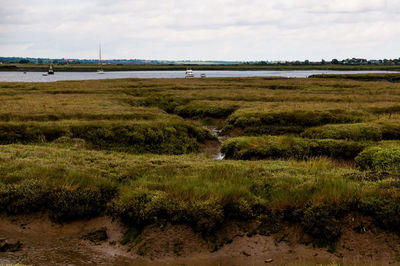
(358,132)
(167,103)
(207,109)
(373,176)
(285,147)
(384,209)
(137,137)
(140,208)
(380,158)
(291,121)
(390,110)
(323,222)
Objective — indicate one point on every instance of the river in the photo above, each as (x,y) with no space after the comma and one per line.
(14,76)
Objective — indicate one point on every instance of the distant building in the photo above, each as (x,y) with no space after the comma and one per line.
(358,61)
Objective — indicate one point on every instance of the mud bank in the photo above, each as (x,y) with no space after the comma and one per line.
(47,243)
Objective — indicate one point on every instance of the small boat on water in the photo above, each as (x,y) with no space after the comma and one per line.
(45,74)
(100,68)
(189,73)
(51,71)
(203,75)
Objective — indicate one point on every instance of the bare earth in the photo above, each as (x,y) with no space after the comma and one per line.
(47,243)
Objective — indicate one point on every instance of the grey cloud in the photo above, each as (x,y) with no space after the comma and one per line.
(210,29)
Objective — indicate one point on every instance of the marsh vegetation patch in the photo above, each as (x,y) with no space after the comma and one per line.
(307,153)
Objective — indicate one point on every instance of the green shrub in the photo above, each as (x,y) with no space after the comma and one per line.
(285,147)
(356,132)
(379,158)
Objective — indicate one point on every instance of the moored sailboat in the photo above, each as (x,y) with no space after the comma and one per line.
(51,71)
(100,68)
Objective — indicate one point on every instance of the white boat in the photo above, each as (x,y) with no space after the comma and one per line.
(51,71)
(189,73)
(100,69)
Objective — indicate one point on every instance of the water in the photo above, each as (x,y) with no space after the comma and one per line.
(11,76)
(218,155)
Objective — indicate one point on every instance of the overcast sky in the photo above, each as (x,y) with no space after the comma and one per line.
(201,30)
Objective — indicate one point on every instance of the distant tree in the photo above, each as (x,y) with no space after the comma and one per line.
(307,62)
(323,62)
(40,61)
(24,61)
(335,62)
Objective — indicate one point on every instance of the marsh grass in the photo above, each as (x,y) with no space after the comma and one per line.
(375,131)
(288,147)
(91,148)
(380,158)
(143,189)
(175,137)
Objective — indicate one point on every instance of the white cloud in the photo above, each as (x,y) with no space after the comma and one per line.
(208,29)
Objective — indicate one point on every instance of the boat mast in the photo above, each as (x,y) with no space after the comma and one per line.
(100,62)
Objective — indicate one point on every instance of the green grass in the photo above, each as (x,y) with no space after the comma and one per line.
(386,130)
(276,122)
(287,147)
(380,158)
(207,109)
(174,137)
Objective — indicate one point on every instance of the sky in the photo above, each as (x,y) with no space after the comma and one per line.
(237,30)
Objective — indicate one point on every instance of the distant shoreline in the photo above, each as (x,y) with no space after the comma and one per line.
(242,67)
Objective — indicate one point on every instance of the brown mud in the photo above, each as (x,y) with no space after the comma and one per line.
(47,243)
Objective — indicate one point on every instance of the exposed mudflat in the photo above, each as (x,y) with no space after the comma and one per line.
(47,243)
